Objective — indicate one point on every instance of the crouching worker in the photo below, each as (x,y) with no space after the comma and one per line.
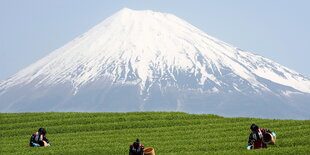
(136,148)
(38,139)
(256,140)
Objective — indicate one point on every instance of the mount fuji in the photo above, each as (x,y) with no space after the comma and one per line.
(151,61)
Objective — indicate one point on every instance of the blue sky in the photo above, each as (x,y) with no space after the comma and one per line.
(277,29)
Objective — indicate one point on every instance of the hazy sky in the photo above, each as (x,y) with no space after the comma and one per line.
(275,29)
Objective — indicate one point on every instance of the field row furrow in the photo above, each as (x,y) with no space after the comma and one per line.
(168,132)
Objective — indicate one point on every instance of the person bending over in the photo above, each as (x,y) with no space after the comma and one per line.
(256,137)
(136,148)
(38,139)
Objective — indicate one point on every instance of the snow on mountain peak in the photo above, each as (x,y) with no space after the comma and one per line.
(143,47)
(151,61)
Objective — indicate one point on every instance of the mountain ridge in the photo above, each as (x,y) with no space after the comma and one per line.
(153,53)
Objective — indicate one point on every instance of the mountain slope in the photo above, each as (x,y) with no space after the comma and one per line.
(145,60)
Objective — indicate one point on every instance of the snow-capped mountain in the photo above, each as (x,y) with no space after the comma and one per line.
(151,61)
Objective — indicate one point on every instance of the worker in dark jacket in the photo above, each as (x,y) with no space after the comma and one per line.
(256,137)
(38,139)
(136,148)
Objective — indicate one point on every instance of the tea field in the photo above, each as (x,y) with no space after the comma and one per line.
(167,132)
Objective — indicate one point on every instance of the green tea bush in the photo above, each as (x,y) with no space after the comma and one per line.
(168,132)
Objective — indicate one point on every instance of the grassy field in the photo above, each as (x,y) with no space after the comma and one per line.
(167,132)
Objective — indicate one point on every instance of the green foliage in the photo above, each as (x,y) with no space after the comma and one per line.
(168,132)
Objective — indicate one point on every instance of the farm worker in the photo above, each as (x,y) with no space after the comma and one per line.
(136,148)
(38,139)
(256,137)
